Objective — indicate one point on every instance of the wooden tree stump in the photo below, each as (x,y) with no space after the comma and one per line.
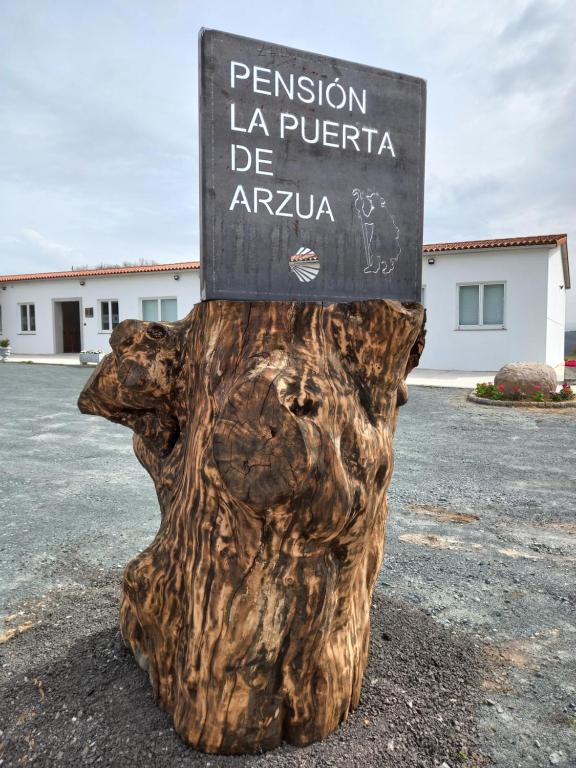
(267,428)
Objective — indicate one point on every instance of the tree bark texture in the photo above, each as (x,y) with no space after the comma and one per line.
(267,428)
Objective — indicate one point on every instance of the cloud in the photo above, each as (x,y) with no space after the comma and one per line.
(533,20)
(44,244)
(98,116)
(28,245)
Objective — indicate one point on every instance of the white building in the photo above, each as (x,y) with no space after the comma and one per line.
(492,302)
(488,303)
(59,312)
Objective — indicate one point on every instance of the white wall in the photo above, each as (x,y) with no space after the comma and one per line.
(571,305)
(556,317)
(525,274)
(127,289)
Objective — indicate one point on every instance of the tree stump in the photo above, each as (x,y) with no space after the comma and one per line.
(267,428)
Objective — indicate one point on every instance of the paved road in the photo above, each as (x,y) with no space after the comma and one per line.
(481,532)
(72,491)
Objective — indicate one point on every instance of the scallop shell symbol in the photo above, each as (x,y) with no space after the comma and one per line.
(305,264)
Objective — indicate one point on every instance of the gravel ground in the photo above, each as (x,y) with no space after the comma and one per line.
(476,595)
(73,695)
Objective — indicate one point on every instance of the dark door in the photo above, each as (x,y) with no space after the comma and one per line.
(71,326)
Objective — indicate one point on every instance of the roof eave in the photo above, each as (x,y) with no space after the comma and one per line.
(93,273)
(484,248)
(565,262)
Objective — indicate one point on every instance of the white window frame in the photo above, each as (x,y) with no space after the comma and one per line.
(481,326)
(27,304)
(109,302)
(158,299)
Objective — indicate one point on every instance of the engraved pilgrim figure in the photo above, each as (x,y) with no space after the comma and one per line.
(380,235)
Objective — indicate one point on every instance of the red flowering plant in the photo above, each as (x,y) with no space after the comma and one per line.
(566,393)
(537,393)
(500,393)
(517,393)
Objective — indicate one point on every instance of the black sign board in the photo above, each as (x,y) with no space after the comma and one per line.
(312,175)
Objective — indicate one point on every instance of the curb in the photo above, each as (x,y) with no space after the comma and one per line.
(519,403)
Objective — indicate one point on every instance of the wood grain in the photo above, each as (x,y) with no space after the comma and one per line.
(267,428)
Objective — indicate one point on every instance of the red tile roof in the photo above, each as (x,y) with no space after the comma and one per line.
(176,267)
(466,245)
(503,242)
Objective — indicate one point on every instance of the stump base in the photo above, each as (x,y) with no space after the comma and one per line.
(267,428)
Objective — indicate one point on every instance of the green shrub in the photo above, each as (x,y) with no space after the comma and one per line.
(490,391)
(566,393)
(484,390)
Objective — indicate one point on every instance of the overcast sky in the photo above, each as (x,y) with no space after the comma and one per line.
(98,116)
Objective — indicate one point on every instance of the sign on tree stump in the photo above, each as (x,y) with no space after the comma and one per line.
(312,175)
(267,428)
(266,418)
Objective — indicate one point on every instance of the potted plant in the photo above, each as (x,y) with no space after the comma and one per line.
(91,356)
(5,349)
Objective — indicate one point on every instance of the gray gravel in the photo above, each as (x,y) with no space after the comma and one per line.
(507,577)
(72,694)
(480,543)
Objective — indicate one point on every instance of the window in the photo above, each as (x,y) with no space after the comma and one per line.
(481,304)
(159,309)
(27,318)
(109,315)
(423,296)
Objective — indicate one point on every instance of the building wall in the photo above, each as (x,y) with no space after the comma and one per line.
(524,271)
(127,289)
(556,314)
(534,307)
